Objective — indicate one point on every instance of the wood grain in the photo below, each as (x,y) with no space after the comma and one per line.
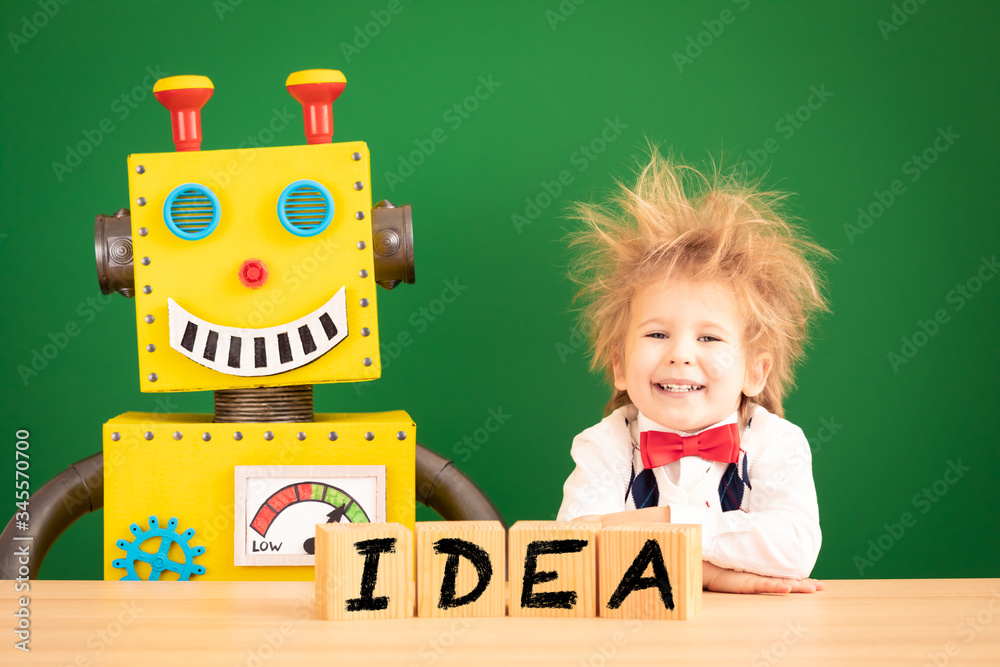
(486,535)
(576,573)
(341,567)
(679,546)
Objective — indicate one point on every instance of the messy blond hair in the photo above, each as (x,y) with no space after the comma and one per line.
(678,224)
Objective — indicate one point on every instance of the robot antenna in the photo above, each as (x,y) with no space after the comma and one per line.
(184,96)
(316,90)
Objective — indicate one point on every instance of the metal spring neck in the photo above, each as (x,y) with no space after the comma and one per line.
(264,404)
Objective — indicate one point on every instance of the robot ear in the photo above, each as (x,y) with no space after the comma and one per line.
(392,242)
(113,252)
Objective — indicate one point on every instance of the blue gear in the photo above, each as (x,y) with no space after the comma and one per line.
(159,561)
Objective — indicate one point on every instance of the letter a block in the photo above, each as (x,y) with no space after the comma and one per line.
(553,568)
(460,568)
(363,570)
(650,571)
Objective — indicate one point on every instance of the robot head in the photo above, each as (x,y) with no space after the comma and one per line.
(255,266)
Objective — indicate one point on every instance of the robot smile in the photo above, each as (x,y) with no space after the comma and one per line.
(257,352)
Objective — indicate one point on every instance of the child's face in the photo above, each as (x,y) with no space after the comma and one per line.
(685,365)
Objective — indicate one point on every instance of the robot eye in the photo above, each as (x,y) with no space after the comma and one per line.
(305,208)
(191,211)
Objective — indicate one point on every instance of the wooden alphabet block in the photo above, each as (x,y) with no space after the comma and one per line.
(461,567)
(553,568)
(650,570)
(363,570)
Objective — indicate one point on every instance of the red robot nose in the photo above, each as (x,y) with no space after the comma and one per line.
(253,273)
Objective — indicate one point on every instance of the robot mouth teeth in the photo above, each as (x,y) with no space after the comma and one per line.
(257,352)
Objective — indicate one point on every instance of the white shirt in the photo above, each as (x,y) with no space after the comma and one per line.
(776,532)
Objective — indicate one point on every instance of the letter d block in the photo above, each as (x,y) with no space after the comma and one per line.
(363,570)
(553,568)
(461,567)
(650,570)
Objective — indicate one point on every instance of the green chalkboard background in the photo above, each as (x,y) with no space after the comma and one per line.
(887,83)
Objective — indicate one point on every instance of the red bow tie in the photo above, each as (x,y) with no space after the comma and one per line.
(658,448)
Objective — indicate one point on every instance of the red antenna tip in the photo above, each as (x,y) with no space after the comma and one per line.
(184,96)
(316,90)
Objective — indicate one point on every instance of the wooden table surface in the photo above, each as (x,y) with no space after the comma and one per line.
(888,622)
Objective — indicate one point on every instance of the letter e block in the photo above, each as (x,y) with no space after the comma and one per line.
(553,568)
(363,570)
(650,571)
(460,568)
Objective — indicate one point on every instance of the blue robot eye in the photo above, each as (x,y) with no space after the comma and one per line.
(191,211)
(305,208)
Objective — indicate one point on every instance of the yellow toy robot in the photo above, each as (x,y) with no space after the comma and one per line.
(254,273)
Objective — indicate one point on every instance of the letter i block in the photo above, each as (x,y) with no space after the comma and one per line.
(553,568)
(460,568)
(650,571)
(363,571)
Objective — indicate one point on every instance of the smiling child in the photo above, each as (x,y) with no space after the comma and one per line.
(698,297)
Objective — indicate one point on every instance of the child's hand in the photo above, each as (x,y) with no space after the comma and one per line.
(714,578)
(646,515)
(721,580)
